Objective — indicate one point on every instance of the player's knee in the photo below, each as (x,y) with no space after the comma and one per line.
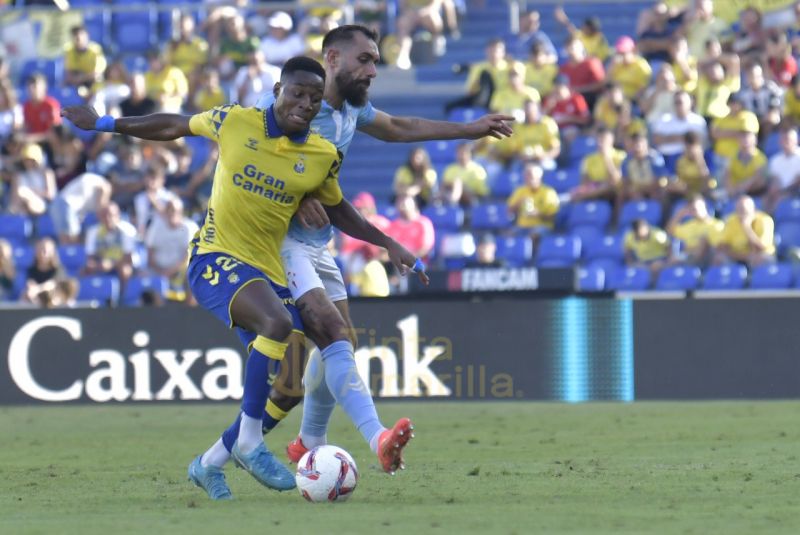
(277,326)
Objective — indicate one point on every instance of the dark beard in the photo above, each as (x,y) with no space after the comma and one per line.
(354,93)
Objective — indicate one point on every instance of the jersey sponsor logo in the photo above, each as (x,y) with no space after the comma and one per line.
(252,180)
(252,144)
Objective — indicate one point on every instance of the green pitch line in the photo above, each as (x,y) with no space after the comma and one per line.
(473,468)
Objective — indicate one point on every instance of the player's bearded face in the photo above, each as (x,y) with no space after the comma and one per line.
(354,90)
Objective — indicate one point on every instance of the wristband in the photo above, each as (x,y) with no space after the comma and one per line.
(106,123)
(419,266)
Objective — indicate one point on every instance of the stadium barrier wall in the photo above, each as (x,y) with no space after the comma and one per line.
(481,347)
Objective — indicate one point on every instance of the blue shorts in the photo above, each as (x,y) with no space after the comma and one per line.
(216,278)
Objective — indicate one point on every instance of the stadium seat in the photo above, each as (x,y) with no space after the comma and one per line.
(52,69)
(493,216)
(445,218)
(726,208)
(628,279)
(678,278)
(650,211)
(73,257)
(609,246)
(387,210)
(515,251)
(442,152)
(594,213)
(23,257)
(581,147)
(454,264)
(506,182)
(66,96)
(97,23)
(136,63)
(138,285)
(101,288)
(771,277)
(591,279)
(587,234)
(679,204)
(772,145)
(787,236)
(558,251)
(725,277)
(44,227)
(787,210)
(466,115)
(562,180)
(134,32)
(14,228)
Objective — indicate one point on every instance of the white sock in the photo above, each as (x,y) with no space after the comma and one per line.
(249,434)
(216,455)
(373,442)
(311,442)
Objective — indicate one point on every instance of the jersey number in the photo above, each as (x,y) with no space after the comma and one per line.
(226,263)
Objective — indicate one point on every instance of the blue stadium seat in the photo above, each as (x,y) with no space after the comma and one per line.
(587,234)
(138,285)
(726,208)
(506,182)
(52,69)
(96,23)
(387,210)
(787,235)
(771,277)
(454,264)
(136,63)
(558,251)
(562,180)
(442,152)
(787,210)
(44,227)
(445,218)
(595,213)
(650,211)
(678,278)
(66,96)
(581,147)
(628,279)
(73,257)
(101,288)
(679,204)
(15,228)
(515,251)
(466,115)
(725,277)
(23,257)
(609,246)
(591,279)
(493,216)
(134,32)
(772,145)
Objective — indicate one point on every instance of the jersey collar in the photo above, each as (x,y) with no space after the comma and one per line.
(273,130)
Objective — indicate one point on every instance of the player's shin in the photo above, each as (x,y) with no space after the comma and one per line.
(318,404)
(287,389)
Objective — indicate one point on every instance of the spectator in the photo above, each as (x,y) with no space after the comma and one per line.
(209,92)
(511,99)
(464,181)
(165,83)
(34,186)
(628,69)
(670,130)
(655,30)
(644,173)
(112,90)
(586,74)
(41,111)
(69,155)
(351,247)
(427,14)
(167,239)
(748,236)
(236,46)
(715,87)
(659,99)
(601,171)
(281,43)
(590,34)
(762,97)
(782,66)
(784,169)
(530,35)
(693,174)
(127,176)
(11,119)
(485,77)
(412,229)
(696,229)
(43,276)
(614,112)
(85,194)
(8,273)
(189,52)
(539,70)
(728,130)
(110,246)
(255,79)
(370,281)
(702,26)
(84,61)
(750,41)
(647,247)
(684,65)
(534,205)
(567,108)
(416,178)
(535,138)
(747,172)
(151,203)
(139,102)
(486,254)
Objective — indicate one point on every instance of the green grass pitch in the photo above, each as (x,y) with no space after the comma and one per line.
(473,468)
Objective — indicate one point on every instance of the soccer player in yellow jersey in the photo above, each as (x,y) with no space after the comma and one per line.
(269,160)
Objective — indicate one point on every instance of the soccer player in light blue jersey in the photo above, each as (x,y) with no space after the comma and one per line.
(350,58)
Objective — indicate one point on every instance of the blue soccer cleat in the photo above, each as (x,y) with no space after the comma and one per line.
(263,466)
(211,479)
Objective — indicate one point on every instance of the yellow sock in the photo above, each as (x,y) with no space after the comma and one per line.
(275,412)
(270,348)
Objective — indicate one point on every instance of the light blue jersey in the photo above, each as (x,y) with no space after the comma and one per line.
(338,127)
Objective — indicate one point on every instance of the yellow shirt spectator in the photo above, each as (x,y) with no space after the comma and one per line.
(404,177)
(696,231)
(712,99)
(743,122)
(791,105)
(541,77)
(690,174)
(632,77)
(596,45)
(190,56)
(544,201)
(700,31)
(687,83)
(473,176)
(372,281)
(654,247)
(206,99)
(508,101)
(594,167)
(528,136)
(89,61)
(498,72)
(168,86)
(734,237)
(741,171)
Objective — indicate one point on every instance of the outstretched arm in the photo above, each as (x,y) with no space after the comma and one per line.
(347,219)
(408,129)
(155,127)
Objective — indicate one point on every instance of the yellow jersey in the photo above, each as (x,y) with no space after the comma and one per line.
(689,173)
(743,122)
(189,56)
(168,86)
(205,100)
(89,61)
(473,176)
(594,167)
(696,231)
(632,77)
(261,176)
(791,105)
(541,78)
(499,74)
(687,83)
(596,45)
(654,247)
(508,101)
(543,200)
(527,136)
(404,177)
(734,237)
(740,171)
(712,99)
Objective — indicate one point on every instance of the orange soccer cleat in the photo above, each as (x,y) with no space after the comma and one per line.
(296,449)
(391,444)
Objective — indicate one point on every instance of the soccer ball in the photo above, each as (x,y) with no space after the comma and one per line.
(326,474)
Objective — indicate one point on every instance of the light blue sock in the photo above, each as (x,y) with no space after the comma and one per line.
(349,390)
(318,403)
